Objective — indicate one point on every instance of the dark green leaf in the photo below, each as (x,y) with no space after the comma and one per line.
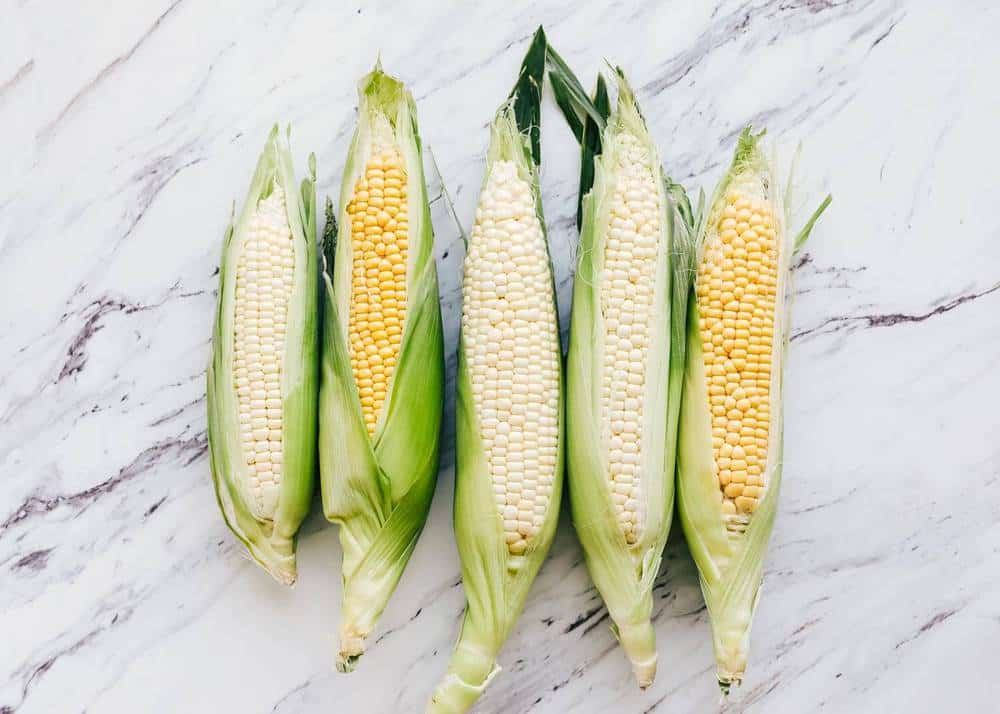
(329,241)
(564,101)
(527,93)
(590,144)
(571,97)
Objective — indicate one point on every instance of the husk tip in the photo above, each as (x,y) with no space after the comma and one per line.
(727,682)
(639,642)
(285,577)
(346,663)
(645,673)
(352,647)
(280,566)
(730,671)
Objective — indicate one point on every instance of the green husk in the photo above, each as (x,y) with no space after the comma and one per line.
(731,566)
(379,489)
(271,543)
(623,573)
(496,582)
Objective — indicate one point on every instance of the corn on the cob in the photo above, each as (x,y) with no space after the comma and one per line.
(509,421)
(729,462)
(262,378)
(625,363)
(382,370)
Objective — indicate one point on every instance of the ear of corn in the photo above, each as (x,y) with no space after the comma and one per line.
(729,462)
(262,378)
(382,370)
(625,362)
(510,405)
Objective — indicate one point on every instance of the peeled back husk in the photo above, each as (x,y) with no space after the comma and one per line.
(729,550)
(378,486)
(270,537)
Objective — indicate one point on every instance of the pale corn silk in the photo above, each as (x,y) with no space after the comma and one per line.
(627,304)
(512,348)
(264,275)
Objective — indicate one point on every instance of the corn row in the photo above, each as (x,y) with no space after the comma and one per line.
(674,370)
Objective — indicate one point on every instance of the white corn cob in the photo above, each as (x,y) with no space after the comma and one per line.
(630,262)
(264,274)
(511,345)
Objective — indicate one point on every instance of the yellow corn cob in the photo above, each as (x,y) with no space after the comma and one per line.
(736,288)
(379,235)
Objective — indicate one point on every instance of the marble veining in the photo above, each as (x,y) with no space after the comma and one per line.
(132,128)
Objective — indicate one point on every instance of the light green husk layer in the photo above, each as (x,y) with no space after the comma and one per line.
(731,566)
(379,489)
(270,542)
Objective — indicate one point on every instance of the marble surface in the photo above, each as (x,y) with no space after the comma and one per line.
(131,127)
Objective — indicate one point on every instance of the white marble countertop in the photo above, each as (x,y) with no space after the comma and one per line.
(129,130)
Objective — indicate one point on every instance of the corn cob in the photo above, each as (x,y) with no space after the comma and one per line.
(729,462)
(625,362)
(262,377)
(382,369)
(510,406)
